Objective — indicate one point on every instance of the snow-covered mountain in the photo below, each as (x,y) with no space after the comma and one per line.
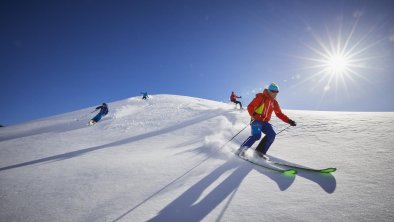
(165,159)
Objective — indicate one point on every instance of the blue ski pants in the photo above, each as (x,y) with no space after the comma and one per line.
(98,117)
(257,127)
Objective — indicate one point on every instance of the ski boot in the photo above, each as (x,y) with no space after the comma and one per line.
(262,155)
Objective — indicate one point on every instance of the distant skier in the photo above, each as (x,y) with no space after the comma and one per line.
(103,112)
(233,99)
(260,110)
(144,95)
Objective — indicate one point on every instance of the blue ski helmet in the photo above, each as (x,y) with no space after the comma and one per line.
(273,87)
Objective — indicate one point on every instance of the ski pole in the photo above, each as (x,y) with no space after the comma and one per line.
(283,130)
(235,136)
(262,142)
(85,115)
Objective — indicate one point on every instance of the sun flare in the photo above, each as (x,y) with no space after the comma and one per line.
(337,64)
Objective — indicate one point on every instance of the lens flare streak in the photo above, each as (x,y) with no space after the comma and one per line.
(340,60)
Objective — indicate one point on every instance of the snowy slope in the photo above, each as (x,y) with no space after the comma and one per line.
(164,160)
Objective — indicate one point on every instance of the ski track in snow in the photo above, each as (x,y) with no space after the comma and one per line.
(167,159)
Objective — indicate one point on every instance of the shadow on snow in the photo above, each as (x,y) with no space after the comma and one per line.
(132,139)
(185,207)
(325,180)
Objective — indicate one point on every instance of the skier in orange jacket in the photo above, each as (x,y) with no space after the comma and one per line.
(260,110)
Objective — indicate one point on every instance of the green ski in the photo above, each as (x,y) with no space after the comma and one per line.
(285,172)
(325,170)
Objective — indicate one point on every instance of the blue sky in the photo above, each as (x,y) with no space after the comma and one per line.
(60,56)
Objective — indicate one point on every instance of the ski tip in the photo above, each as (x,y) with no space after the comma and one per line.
(328,170)
(290,172)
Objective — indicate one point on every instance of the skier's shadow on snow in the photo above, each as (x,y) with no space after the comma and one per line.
(57,128)
(132,139)
(190,206)
(325,180)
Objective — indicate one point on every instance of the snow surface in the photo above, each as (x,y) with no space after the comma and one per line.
(165,159)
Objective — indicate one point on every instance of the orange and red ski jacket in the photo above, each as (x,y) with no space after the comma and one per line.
(262,106)
(233,97)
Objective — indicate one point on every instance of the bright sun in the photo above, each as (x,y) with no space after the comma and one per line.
(338,61)
(337,64)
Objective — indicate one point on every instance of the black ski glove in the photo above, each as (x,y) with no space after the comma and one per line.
(292,123)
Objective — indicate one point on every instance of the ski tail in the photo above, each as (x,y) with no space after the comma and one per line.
(290,172)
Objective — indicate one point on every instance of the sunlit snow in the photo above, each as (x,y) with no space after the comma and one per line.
(166,159)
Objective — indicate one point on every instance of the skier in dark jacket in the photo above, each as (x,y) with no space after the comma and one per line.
(144,95)
(233,98)
(103,111)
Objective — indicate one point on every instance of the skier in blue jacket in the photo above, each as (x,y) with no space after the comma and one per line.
(103,111)
(144,95)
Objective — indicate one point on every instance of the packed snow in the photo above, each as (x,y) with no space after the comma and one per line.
(168,159)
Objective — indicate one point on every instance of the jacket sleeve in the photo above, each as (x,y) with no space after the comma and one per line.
(279,114)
